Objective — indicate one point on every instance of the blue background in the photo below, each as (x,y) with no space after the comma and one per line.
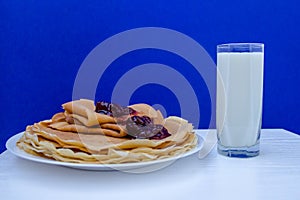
(43,44)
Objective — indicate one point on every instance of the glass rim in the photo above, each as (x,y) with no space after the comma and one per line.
(240,47)
(241,44)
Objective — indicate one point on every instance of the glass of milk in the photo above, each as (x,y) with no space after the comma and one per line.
(240,68)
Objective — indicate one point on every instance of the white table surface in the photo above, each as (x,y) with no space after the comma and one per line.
(274,174)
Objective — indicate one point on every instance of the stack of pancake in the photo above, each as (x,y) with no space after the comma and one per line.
(81,135)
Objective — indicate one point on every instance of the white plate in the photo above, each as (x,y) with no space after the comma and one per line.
(139,167)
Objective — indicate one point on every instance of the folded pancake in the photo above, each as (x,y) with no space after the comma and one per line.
(84,111)
(84,141)
(63,122)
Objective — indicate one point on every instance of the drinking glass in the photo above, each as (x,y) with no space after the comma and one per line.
(240,68)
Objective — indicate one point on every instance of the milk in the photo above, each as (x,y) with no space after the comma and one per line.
(239,98)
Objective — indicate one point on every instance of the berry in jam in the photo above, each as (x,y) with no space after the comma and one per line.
(142,127)
(103,107)
(113,110)
(141,121)
(163,133)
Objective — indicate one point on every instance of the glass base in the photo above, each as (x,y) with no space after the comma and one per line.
(239,152)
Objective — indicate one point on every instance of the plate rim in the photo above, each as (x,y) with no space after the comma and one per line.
(14,149)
